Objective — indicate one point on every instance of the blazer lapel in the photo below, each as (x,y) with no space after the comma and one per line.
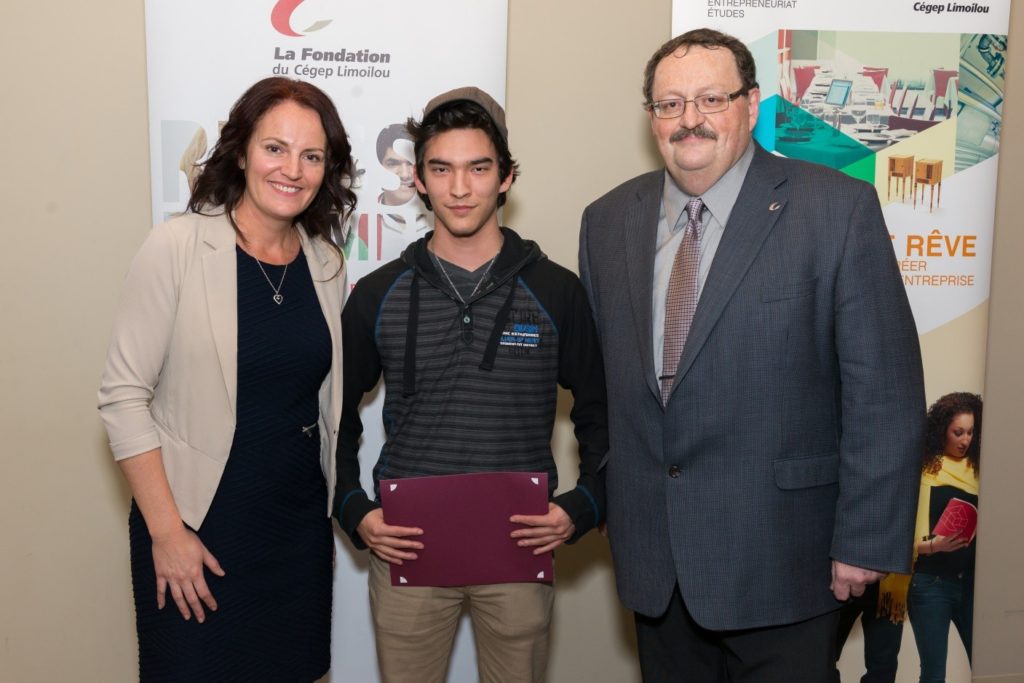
(322,272)
(318,263)
(220,277)
(640,236)
(759,205)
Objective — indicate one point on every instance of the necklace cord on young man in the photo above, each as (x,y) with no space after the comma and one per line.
(444,271)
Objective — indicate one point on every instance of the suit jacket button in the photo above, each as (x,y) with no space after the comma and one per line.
(674,471)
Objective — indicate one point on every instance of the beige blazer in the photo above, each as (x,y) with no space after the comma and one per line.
(171,373)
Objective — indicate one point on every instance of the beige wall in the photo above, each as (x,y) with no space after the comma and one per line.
(999,590)
(76,206)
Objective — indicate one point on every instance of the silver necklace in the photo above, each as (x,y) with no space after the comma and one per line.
(278,297)
(479,282)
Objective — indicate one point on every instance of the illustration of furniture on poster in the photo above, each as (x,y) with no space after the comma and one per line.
(928,173)
(845,96)
(803,77)
(803,135)
(915,109)
(838,125)
(943,78)
(877,74)
(901,170)
(865,112)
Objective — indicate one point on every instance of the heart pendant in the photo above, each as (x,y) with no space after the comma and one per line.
(278,299)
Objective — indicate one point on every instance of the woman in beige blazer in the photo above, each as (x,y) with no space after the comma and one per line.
(222,397)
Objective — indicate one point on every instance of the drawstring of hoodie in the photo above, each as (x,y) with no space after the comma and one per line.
(490,351)
(499,327)
(409,376)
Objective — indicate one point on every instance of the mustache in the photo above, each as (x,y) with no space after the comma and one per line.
(700,131)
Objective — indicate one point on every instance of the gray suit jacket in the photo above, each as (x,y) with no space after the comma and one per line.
(795,428)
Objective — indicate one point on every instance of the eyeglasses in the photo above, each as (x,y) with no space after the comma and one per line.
(709,103)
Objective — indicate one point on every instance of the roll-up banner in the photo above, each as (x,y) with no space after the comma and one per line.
(908,97)
(380,62)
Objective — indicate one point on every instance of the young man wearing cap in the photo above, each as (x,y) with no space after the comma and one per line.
(472,328)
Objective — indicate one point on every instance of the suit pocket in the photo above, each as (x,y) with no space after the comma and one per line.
(788,290)
(802,473)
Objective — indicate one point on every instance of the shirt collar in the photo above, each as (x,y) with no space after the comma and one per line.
(719,199)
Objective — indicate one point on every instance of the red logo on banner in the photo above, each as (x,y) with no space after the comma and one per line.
(281,18)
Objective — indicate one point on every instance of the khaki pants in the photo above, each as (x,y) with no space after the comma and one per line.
(415,628)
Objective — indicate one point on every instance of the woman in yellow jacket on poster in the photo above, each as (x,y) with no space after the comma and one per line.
(942,587)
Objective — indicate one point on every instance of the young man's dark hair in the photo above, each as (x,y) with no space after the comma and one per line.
(460,109)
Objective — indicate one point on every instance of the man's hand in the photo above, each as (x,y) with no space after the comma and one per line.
(389,543)
(548,531)
(849,581)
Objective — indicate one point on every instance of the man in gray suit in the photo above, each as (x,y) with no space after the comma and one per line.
(768,406)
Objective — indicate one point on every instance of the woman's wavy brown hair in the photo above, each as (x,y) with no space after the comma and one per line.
(940,415)
(221,183)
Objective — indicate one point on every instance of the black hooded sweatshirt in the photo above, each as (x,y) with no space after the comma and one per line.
(472,388)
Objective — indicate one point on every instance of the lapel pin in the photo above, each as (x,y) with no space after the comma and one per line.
(774,206)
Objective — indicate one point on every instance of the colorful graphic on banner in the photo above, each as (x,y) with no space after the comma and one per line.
(371,59)
(380,63)
(909,98)
(902,98)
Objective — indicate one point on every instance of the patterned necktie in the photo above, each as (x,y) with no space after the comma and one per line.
(681,302)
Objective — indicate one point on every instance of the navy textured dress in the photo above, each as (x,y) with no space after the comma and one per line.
(267,525)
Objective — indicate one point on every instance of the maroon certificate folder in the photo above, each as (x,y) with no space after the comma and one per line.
(465,525)
(959,517)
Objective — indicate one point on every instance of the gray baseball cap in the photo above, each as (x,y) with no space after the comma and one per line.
(475,95)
